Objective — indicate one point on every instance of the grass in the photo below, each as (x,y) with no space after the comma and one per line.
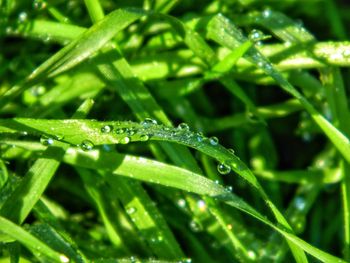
(172,131)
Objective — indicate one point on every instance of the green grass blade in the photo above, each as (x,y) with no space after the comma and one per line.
(31,242)
(87,43)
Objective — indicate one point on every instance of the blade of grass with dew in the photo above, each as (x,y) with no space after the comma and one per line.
(23,199)
(184,180)
(32,243)
(336,97)
(231,37)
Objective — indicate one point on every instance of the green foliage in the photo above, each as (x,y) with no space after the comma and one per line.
(92,167)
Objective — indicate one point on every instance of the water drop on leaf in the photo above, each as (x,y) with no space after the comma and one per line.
(183,126)
(130,210)
(119,131)
(125,140)
(144,137)
(148,122)
(106,129)
(223,168)
(45,140)
(213,141)
(195,226)
(87,145)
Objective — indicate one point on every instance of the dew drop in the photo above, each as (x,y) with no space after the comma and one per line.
(106,129)
(45,140)
(251,254)
(125,140)
(229,226)
(231,151)
(119,131)
(148,122)
(130,210)
(223,168)
(87,145)
(39,4)
(22,17)
(229,189)
(195,226)
(199,137)
(183,126)
(257,35)
(144,137)
(213,141)
(181,203)
(130,132)
(266,13)
(37,91)
(202,206)
(299,203)
(64,259)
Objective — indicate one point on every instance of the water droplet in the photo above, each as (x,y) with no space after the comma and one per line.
(125,140)
(181,203)
(223,168)
(266,13)
(199,137)
(251,254)
(231,151)
(45,140)
(183,126)
(299,203)
(130,132)
(22,17)
(130,210)
(106,129)
(144,137)
(148,122)
(39,4)
(229,227)
(346,53)
(229,189)
(257,35)
(120,131)
(37,91)
(195,226)
(202,206)
(87,145)
(213,141)
(64,259)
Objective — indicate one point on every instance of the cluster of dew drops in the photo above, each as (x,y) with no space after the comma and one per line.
(181,132)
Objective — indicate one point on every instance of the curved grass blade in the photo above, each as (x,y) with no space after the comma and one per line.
(31,242)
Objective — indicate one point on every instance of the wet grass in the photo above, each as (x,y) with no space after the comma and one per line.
(172,131)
